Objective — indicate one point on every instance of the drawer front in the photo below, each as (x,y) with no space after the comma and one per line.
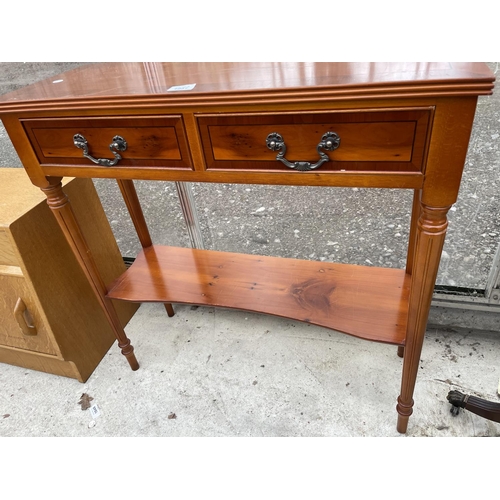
(156,141)
(22,325)
(385,140)
(8,256)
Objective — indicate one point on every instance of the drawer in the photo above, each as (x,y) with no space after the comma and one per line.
(381,140)
(150,141)
(22,325)
(8,256)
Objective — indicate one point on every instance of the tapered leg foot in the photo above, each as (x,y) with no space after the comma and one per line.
(61,208)
(430,234)
(401,351)
(128,352)
(170,310)
(404,412)
(402,424)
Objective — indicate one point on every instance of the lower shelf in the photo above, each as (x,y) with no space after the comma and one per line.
(367,302)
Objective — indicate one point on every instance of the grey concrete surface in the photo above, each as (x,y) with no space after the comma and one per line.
(216,372)
(231,373)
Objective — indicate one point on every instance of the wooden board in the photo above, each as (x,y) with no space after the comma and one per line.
(366,302)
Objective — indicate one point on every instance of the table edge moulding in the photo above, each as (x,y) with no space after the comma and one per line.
(370,125)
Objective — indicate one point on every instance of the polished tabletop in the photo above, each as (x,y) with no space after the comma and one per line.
(108,81)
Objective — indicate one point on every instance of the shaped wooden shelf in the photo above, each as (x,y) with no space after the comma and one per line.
(367,302)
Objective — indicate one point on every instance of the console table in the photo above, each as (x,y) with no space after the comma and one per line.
(371,125)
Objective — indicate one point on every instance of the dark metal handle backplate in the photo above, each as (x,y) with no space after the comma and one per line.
(118,144)
(329,142)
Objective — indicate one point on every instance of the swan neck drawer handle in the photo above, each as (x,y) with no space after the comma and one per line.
(329,142)
(118,144)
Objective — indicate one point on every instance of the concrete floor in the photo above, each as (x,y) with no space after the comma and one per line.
(210,372)
(216,372)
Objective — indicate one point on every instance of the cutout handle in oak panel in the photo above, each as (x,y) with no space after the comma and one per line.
(24,318)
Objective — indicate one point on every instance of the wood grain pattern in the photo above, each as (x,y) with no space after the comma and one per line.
(153,140)
(381,140)
(13,287)
(11,270)
(134,208)
(228,101)
(72,231)
(384,142)
(8,256)
(431,232)
(17,196)
(367,302)
(401,180)
(452,126)
(73,333)
(131,199)
(41,362)
(247,83)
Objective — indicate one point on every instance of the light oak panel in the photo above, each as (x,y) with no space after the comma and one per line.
(8,255)
(39,361)
(14,287)
(71,328)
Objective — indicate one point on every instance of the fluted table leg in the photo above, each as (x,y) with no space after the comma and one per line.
(431,232)
(131,199)
(61,208)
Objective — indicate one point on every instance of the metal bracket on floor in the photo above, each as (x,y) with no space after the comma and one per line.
(481,407)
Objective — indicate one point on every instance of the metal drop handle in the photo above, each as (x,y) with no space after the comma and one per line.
(24,319)
(118,144)
(329,142)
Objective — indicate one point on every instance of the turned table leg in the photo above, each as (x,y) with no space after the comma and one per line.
(61,208)
(131,199)
(431,232)
(415,217)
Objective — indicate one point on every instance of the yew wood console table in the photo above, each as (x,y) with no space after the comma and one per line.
(370,125)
